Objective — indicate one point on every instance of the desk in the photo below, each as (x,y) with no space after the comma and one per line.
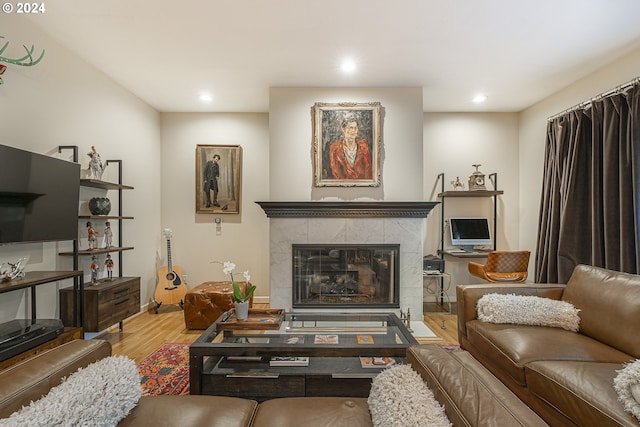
(462,254)
(438,293)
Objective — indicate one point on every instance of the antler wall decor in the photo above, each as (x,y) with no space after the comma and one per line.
(25,61)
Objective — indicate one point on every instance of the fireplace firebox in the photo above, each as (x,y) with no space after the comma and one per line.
(346,276)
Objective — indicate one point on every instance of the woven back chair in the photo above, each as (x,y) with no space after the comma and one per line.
(503,266)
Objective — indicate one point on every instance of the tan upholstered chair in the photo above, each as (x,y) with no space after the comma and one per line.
(503,266)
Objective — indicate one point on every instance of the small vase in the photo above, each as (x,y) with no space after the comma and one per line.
(99,206)
(242,310)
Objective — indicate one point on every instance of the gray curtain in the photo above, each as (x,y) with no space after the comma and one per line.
(589,207)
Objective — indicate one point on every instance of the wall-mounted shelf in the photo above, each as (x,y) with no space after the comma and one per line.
(105,217)
(476,193)
(97,251)
(96,183)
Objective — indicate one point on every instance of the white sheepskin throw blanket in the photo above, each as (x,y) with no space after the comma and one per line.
(99,395)
(400,398)
(627,385)
(528,310)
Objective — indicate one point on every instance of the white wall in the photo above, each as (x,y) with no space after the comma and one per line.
(243,237)
(291,133)
(532,133)
(453,142)
(64,101)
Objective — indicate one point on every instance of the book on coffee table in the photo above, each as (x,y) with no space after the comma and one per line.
(377,362)
(288,361)
(325,339)
(365,339)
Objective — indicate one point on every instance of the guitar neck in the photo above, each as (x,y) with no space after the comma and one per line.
(169,266)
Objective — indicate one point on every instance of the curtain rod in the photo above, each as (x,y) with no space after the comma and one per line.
(583,104)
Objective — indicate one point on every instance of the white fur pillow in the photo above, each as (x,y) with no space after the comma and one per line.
(99,395)
(627,385)
(400,398)
(528,310)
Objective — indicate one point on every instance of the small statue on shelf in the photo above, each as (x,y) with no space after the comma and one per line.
(96,167)
(108,235)
(94,270)
(92,236)
(108,263)
(15,271)
(457,184)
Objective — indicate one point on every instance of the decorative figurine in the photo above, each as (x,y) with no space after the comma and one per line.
(96,168)
(108,263)
(15,271)
(108,235)
(92,236)
(94,270)
(457,185)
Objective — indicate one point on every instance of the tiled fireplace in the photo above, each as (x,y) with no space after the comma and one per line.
(348,225)
(345,276)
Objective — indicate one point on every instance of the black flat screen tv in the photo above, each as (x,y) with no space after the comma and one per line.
(38,197)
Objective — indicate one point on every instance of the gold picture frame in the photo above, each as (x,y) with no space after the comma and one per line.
(222,194)
(346,144)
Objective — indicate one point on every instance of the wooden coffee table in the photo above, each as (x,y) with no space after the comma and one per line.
(231,361)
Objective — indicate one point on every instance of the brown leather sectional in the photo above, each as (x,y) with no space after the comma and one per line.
(471,395)
(565,377)
(31,379)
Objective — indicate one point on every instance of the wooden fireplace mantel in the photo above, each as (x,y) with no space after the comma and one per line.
(342,209)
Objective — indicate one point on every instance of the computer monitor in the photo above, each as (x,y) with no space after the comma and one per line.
(470,232)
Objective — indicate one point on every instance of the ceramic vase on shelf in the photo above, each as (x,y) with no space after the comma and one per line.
(99,206)
(242,310)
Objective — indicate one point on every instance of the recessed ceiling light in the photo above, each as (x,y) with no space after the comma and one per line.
(479,99)
(348,66)
(205,97)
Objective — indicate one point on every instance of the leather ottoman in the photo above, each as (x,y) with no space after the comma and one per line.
(207,301)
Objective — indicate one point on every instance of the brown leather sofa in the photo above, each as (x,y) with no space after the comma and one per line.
(32,378)
(472,397)
(565,377)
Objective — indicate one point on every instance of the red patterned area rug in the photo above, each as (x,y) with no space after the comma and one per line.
(165,371)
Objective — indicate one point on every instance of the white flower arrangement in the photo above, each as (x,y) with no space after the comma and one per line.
(238,295)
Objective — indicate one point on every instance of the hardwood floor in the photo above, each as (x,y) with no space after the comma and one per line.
(147,331)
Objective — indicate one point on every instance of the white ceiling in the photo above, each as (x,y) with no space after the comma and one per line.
(517,52)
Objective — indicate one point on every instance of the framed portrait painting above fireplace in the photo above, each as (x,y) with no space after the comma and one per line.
(218,171)
(346,144)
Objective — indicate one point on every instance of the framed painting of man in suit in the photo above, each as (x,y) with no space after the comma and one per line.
(218,171)
(346,144)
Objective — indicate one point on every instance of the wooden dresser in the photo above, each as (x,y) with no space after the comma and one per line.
(105,304)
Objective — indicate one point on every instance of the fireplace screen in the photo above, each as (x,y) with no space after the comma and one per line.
(358,276)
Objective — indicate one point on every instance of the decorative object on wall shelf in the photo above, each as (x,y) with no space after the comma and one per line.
(92,236)
(457,184)
(99,206)
(476,180)
(12,270)
(218,171)
(96,167)
(24,61)
(346,144)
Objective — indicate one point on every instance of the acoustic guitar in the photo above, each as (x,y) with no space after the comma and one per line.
(170,289)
